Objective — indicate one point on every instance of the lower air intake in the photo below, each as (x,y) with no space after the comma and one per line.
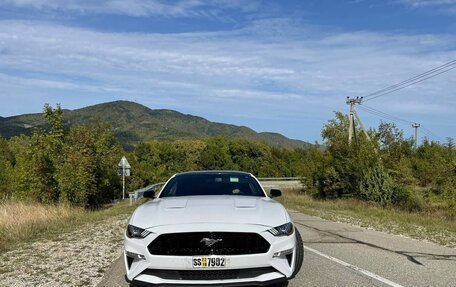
(209,274)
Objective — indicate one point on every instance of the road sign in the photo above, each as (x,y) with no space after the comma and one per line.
(123,163)
(124,167)
(121,172)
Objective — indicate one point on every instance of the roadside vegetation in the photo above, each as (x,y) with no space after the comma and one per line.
(69,174)
(429,225)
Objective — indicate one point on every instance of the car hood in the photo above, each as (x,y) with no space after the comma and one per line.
(210,209)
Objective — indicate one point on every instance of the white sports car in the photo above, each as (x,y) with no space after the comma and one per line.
(212,228)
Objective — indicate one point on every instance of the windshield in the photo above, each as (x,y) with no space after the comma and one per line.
(212,184)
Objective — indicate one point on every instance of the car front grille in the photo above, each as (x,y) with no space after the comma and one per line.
(194,243)
(209,274)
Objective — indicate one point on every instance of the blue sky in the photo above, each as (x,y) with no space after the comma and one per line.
(282,66)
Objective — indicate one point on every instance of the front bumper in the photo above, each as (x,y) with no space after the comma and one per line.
(256,269)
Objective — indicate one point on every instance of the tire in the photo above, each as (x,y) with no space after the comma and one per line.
(281,284)
(299,254)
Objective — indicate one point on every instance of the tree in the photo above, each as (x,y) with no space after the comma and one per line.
(87,174)
(76,166)
(357,169)
(6,166)
(37,158)
(35,168)
(54,117)
(216,155)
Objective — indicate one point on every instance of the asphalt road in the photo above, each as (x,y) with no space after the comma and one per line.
(337,254)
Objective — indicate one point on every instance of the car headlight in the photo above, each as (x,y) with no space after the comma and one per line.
(282,230)
(136,232)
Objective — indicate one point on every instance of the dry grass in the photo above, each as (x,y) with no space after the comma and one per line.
(421,225)
(14,214)
(22,222)
(19,220)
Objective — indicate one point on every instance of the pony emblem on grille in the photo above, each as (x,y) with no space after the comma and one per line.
(209,241)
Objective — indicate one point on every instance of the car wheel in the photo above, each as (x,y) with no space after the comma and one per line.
(299,254)
(281,284)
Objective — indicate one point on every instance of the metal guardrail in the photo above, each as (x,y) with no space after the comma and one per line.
(278,178)
(137,194)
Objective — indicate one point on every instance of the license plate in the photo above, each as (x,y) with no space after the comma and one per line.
(209,262)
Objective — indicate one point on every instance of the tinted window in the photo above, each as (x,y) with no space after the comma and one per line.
(212,184)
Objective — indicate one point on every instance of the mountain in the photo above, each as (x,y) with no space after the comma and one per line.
(133,123)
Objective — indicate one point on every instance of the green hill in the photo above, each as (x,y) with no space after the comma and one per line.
(133,123)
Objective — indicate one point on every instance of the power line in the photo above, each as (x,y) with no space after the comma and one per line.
(411,83)
(413,78)
(431,134)
(392,118)
(377,114)
(383,114)
(393,88)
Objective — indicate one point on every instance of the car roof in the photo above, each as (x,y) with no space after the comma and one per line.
(198,172)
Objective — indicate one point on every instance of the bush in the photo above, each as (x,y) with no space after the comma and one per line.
(376,185)
(405,198)
(330,184)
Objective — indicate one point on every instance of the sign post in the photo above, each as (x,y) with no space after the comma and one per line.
(124,170)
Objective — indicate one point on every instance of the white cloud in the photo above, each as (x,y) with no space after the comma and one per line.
(427,3)
(443,7)
(235,94)
(227,73)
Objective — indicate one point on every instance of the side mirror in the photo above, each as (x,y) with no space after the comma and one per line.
(275,193)
(149,194)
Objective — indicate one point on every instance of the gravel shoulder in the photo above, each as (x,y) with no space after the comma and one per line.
(76,258)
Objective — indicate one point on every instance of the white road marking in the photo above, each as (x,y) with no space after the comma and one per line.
(356,268)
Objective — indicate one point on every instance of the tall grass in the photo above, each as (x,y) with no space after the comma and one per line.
(433,226)
(24,222)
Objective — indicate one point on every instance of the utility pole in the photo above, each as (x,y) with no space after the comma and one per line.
(123,181)
(124,170)
(416,126)
(351,117)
